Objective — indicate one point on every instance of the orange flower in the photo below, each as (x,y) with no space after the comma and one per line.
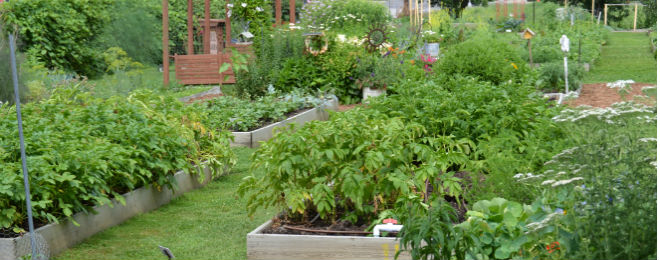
(514,65)
(412,61)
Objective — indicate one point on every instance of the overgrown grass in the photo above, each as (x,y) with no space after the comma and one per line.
(122,83)
(208,223)
(625,56)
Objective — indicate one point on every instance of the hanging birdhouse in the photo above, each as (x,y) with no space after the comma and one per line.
(528,34)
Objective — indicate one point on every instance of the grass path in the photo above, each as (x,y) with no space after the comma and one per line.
(626,55)
(208,223)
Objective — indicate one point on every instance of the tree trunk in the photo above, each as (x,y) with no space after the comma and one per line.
(406,10)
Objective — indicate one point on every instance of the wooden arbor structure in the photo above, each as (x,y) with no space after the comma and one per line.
(192,69)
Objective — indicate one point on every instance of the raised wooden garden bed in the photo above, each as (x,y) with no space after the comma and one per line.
(55,238)
(279,246)
(252,138)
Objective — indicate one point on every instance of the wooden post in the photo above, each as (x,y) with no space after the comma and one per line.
(166,52)
(605,18)
(593,5)
(415,18)
(207,27)
(191,47)
(410,15)
(635,20)
(278,12)
(497,9)
(506,9)
(227,26)
(429,9)
(292,11)
(515,9)
(529,46)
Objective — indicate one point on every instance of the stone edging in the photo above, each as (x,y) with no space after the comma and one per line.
(59,237)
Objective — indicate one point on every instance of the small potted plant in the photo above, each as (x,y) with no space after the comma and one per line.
(376,72)
(431,43)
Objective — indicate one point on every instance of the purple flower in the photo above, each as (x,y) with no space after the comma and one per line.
(372,74)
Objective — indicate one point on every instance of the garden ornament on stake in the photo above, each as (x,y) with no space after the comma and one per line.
(26,183)
(316,43)
(375,38)
(565,47)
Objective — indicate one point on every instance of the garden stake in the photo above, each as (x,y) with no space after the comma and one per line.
(565,46)
(14,77)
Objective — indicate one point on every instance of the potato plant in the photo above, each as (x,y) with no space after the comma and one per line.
(353,167)
(235,114)
(83,151)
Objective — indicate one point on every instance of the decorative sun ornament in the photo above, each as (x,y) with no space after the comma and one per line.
(376,37)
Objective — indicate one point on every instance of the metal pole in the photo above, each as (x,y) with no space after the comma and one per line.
(26,183)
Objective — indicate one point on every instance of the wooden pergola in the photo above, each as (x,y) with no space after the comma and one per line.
(203,68)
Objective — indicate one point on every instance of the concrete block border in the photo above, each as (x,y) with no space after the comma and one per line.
(253,138)
(262,246)
(55,238)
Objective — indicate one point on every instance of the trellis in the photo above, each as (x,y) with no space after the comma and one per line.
(194,69)
(634,20)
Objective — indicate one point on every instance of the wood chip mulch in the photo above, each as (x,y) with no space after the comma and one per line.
(599,95)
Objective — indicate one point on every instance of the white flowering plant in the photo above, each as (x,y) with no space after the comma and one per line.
(605,183)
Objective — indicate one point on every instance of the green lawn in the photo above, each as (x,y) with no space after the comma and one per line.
(208,223)
(625,56)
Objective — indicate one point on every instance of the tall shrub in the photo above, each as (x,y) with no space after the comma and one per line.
(60,33)
(135,27)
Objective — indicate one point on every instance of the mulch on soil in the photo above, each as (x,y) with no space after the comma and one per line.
(599,95)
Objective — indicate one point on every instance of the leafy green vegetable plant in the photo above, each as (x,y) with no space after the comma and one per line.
(83,151)
(353,167)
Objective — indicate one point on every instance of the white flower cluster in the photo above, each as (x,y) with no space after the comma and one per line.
(648,139)
(534,226)
(617,109)
(561,182)
(620,83)
(526,176)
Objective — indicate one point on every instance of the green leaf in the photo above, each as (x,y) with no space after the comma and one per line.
(224,67)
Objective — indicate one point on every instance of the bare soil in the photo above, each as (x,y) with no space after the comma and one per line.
(314,225)
(599,95)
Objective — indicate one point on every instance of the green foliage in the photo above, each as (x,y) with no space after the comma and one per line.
(84,151)
(651,14)
(253,11)
(59,33)
(500,226)
(378,72)
(485,58)
(606,181)
(510,127)
(135,27)
(230,113)
(551,76)
(431,234)
(281,62)
(343,15)
(116,59)
(353,167)
(272,54)
(6,81)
